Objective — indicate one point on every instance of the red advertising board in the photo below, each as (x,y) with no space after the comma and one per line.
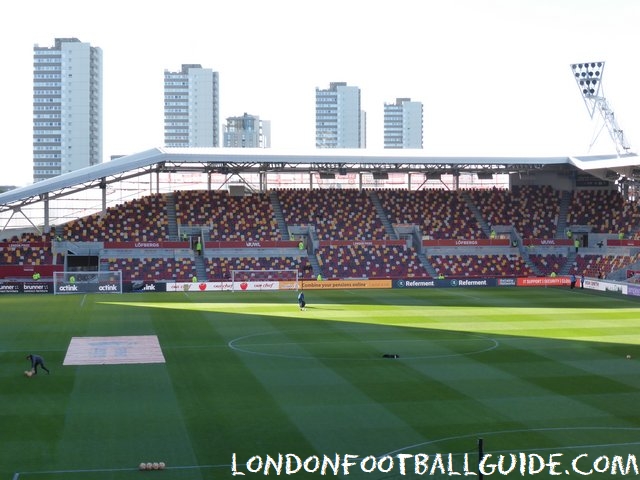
(128,245)
(548,242)
(23,245)
(623,243)
(253,244)
(471,242)
(542,281)
(364,243)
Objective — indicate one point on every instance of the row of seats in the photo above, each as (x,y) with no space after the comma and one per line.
(35,251)
(139,220)
(184,269)
(548,264)
(221,268)
(367,261)
(587,206)
(335,213)
(351,214)
(601,266)
(27,256)
(480,266)
(532,210)
(360,261)
(248,218)
(440,214)
(336,262)
(152,269)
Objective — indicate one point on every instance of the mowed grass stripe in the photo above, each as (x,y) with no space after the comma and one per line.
(310,400)
(332,413)
(132,411)
(539,383)
(224,405)
(133,407)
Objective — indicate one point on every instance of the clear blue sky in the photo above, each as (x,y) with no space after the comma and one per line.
(493,75)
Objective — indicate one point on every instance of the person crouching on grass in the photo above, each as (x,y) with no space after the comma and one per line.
(37,361)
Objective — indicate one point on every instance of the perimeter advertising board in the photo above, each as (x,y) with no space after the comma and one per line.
(337,284)
(633,290)
(606,286)
(101,287)
(26,287)
(276,285)
(543,281)
(139,287)
(454,282)
(199,287)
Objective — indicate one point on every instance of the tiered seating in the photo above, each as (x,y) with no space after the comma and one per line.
(37,250)
(219,268)
(31,238)
(532,210)
(347,214)
(480,265)
(140,220)
(538,211)
(548,263)
(336,214)
(153,269)
(596,265)
(27,256)
(622,261)
(369,261)
(587,207)
(495,205)
(248,218)
(440,214)
(590,265)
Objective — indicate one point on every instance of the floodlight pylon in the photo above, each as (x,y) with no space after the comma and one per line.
(588,76)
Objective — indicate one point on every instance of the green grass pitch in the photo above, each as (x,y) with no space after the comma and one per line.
(528,371)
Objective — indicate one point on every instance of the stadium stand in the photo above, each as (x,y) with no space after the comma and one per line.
(153,269)
(480,265)
(229,218)
(604,211)
(440,214)
(532,210)
(27,254)
(351,216)
(548,264)
(219,268)
(369,261)
(335,213)
(139,220)
(602,265)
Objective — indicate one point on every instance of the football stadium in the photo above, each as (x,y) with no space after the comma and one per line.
(465,316)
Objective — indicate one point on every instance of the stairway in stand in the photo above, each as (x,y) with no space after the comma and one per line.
(172,216)
(201,269)
(277,212)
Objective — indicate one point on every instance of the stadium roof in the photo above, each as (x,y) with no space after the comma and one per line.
(338,161)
